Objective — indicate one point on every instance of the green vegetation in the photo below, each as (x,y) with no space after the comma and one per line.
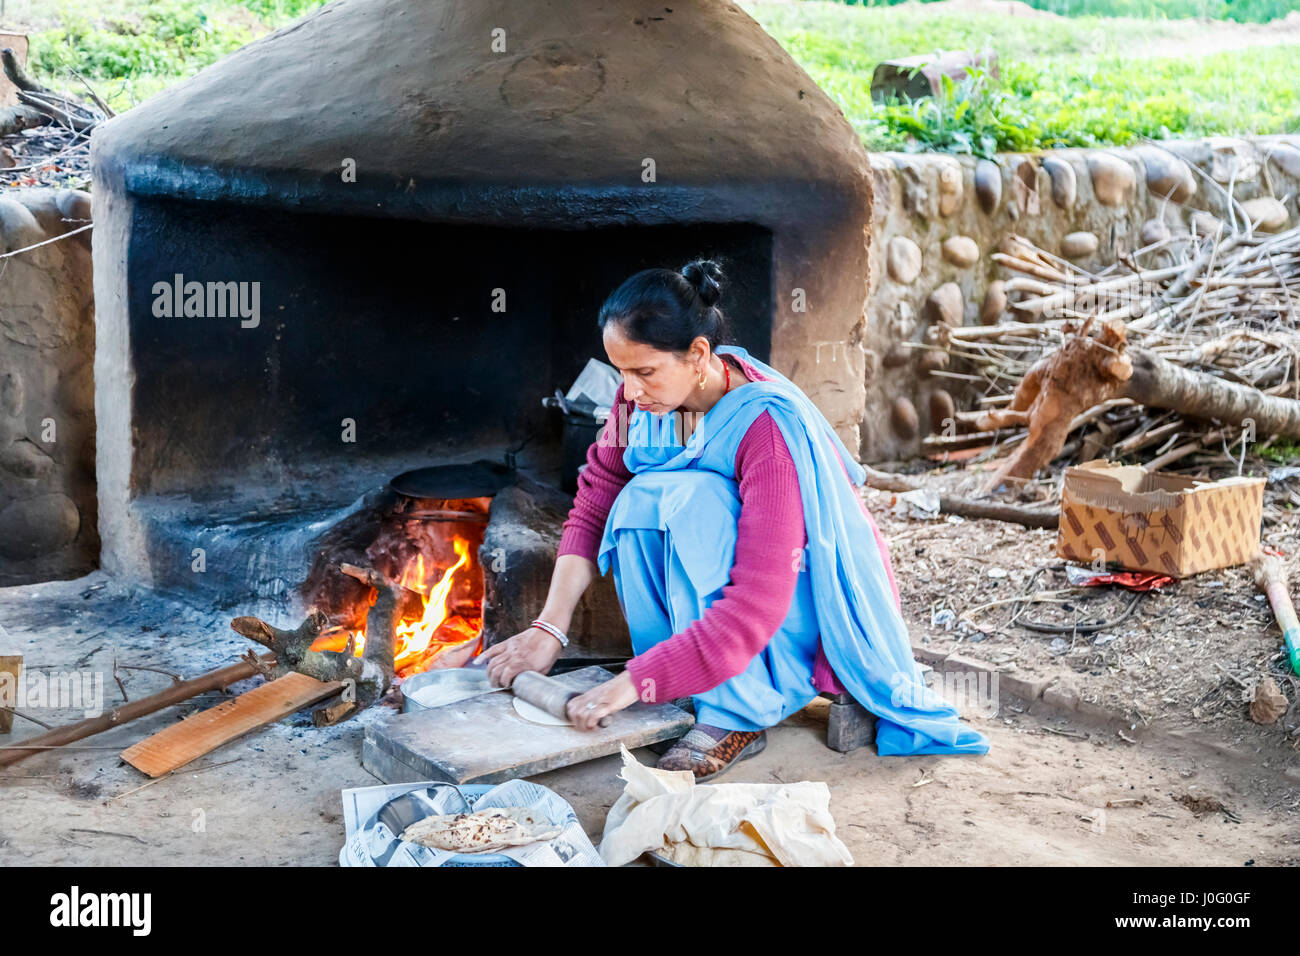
(131,50)
(1282,451)
(1243,11)
(1088,81)
(1083,81)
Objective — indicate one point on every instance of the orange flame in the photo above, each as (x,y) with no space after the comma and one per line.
(416,647)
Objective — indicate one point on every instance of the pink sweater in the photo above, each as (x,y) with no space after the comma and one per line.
(741,622)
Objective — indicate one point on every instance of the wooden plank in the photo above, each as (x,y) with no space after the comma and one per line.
(11,668)
(207,730)
(483,740)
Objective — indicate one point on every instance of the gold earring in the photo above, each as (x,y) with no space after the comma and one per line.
(702,381)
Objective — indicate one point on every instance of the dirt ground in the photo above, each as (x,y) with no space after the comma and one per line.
(1040,796)
(1037,798)
(1187,656)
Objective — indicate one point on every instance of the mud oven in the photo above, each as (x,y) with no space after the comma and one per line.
(371,242)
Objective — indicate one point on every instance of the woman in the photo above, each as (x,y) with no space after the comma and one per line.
(751,574)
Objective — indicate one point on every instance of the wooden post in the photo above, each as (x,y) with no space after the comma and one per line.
(11,667)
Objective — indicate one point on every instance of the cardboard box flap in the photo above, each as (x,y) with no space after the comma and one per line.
(1131,489)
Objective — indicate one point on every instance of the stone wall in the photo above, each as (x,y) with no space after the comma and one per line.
(47,390)
(938,219)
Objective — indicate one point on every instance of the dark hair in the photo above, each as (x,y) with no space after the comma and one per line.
(667,310)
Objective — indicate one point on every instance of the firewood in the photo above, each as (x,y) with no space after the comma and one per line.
(292,649)
(203,732)
(952,504)
(1217,381)
(62,109)
(180,691)
(1092,368)
(410,602)
(335,711)
(1086,371)
(368,677)
(17,76)
(1198,395)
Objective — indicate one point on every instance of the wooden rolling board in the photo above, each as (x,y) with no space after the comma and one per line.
(204,732)
(483,740)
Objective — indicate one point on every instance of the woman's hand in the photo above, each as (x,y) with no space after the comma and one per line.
(530,650)
(585,710)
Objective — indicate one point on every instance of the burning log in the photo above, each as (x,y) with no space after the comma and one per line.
(369,675)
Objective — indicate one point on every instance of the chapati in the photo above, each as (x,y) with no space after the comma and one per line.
(481,831)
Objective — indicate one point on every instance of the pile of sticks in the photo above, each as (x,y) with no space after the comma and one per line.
(46,136)
(1188,344)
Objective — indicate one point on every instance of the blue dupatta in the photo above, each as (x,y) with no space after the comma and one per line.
(863,635)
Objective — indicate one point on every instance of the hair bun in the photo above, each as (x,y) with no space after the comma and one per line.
(704,275)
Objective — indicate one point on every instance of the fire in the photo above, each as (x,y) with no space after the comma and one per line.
(420,640)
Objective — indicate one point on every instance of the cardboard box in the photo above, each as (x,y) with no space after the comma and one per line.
(1148,521)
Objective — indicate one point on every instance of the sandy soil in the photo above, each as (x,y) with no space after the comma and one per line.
(1036,798)
(1039,796)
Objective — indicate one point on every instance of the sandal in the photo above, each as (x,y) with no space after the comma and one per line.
(662,747)
(707,757)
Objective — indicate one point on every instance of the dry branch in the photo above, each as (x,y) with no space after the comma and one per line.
(367,677)
(951,504)
(15,119)
(177,692)
(62,109)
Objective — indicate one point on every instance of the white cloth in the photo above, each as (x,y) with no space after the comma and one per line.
(725,824)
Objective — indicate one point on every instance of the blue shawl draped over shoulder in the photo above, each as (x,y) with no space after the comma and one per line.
(863,635)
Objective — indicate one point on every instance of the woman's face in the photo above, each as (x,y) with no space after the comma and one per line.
(658,382)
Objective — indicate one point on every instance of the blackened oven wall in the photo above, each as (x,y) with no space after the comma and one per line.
(389,325)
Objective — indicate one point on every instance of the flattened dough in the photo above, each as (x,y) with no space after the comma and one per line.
(538,716)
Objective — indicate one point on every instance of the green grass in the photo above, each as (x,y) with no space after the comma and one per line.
(1087,81)
(1243,11)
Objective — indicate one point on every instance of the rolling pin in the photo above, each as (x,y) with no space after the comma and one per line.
(547,693)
